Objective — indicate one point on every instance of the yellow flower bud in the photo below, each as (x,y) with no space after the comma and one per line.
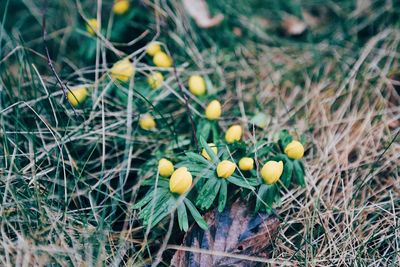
(213,110)
(180,181)
(165,167)
(213,148)
(120,6)
(246,164)
(147,122)
(153,48)
(294,150)
(272,171)
(234,133)
(122,70)
(197,85)
(77,95)
(225,168)
(92,26)
(162,60)
(155,80)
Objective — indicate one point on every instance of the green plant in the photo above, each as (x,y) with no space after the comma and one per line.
(213,174)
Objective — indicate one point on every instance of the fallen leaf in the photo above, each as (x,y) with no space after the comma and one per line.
(293,26)
(198,10)
(236,230)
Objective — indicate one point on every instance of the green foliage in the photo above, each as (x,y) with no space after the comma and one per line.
(75,174)
(210,189)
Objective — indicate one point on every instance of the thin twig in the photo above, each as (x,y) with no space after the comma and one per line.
(64,88)
(187,106)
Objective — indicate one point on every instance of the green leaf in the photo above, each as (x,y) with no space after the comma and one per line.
(284,138)
(299,173)
(240,182)
(195,214)
(194,167)
(267,194)
(208,193)
(163,182)
(197,158)
(157,219)
(162,214)
(260,197)
(209,151)
(205,130)
(222,195)
(204,190)
(146,199)
(182,217)
(160,211)
(209,200)
(260,120)
(287,172)
(264,151)
(253,181)
(215,132)
(155,206)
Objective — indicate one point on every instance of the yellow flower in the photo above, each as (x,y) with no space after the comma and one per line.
(294,150)
(272,171)
(213,148)
(155,80)
(180,181)
(162,60)
(165,167)
(234,133)
(92,26)
(77,95)
(213,110)
(122,70)
(147,122)
(120,6)
(246,164)
(197,85)
(225,168)
(153,48)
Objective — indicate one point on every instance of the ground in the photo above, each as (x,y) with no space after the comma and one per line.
(70,175)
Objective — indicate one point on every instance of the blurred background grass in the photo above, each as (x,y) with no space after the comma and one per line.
(68,180)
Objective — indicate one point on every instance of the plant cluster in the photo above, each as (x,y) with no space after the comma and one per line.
(227,163)
(226,167)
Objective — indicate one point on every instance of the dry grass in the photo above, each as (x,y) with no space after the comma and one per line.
(67,182)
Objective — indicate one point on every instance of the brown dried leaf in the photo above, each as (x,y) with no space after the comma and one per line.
(236,230)
(293,26)
(198,10)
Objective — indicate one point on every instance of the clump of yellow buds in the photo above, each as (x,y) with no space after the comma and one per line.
(197,85)
(213,110)
(120,6)
(155,80)
(162,60)
(180,181)
(153,48)
(92,26)
(225,169)
(294,150)
(246,164)
(272,171)
(77,95)
(234,133)
(213,148)
(165,167)
(122,70)
(147,122)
